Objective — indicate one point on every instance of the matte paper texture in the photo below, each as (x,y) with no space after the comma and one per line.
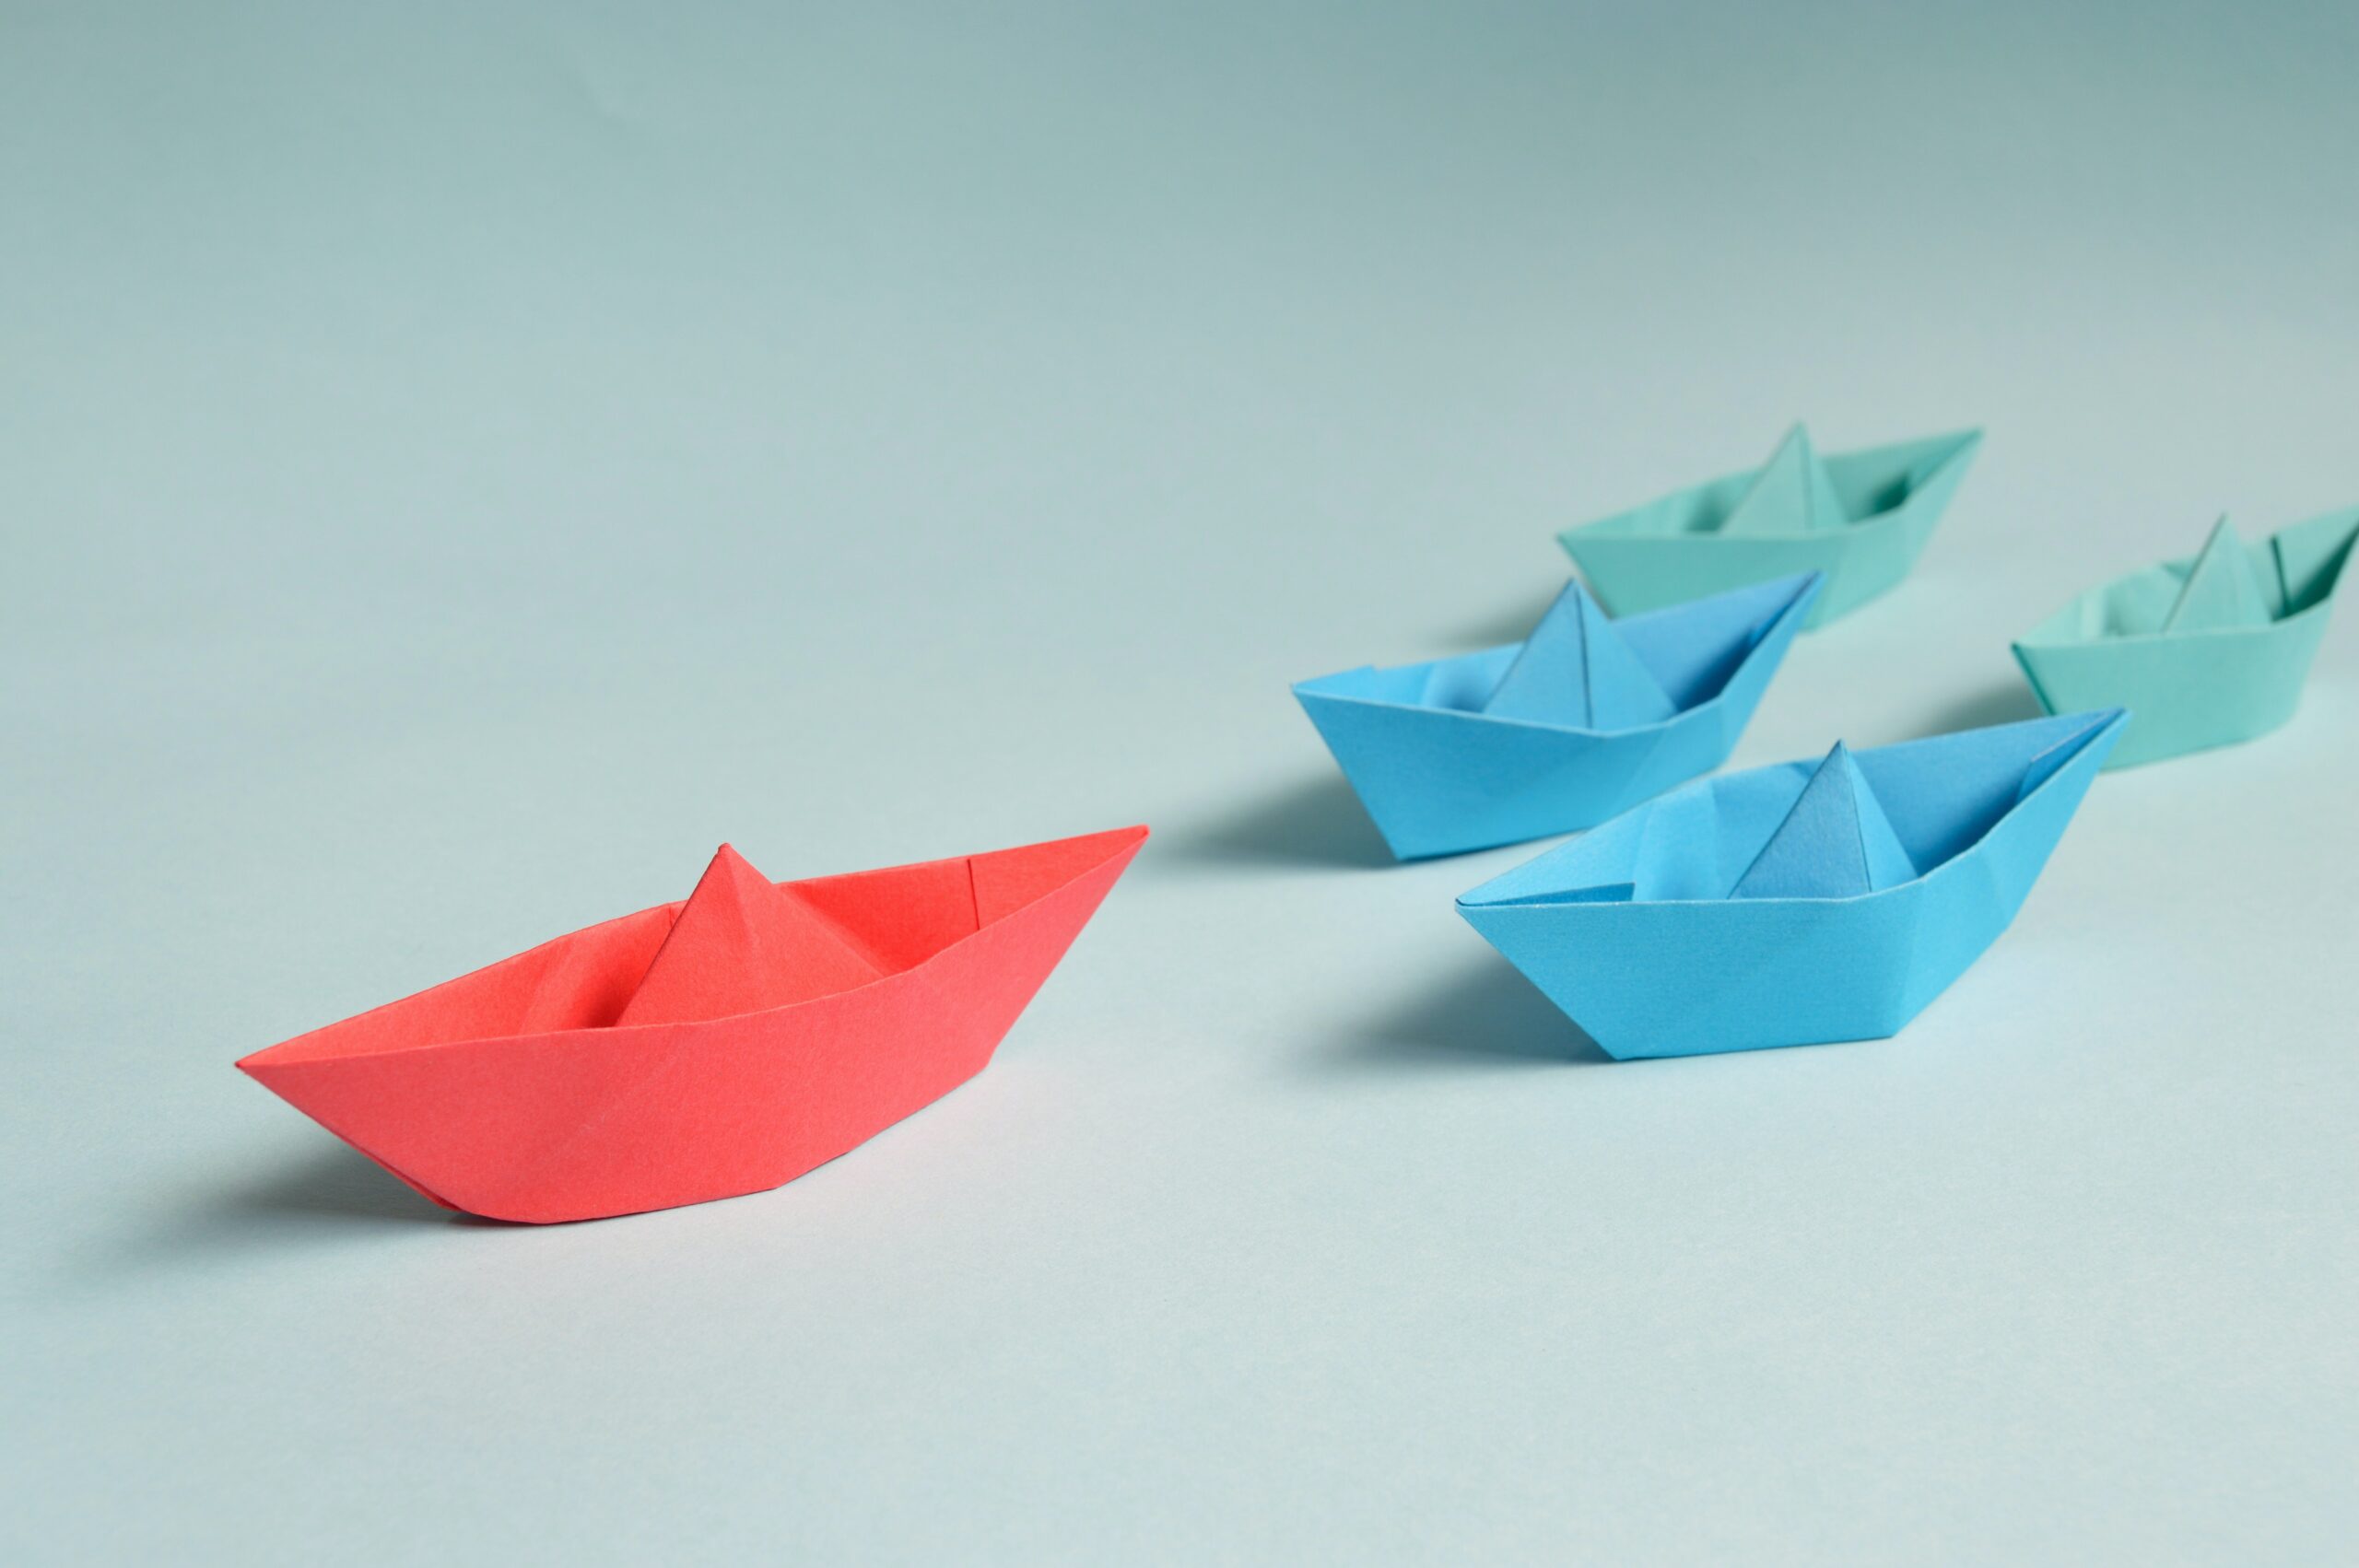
(1798,904)
(1862,518)
(720,1046)
(2206,650)
(1585,718)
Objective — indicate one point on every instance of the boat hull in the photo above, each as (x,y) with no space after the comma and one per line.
(2197,690)
(585,1123)
(1666,552)
(2184,693)
(1438,781)
(1695,975)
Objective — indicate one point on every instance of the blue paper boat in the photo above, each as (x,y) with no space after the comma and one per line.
(1798,904)
(2204,651)
(1862,518)
(1585,718)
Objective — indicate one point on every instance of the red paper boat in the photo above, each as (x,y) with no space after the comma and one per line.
(719,1046)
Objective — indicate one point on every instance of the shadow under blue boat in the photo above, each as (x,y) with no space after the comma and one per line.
(1484,1016)
(1318,822)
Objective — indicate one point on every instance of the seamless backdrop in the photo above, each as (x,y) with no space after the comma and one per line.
(459,463)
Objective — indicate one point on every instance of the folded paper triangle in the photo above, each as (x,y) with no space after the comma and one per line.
(1576,669)
(743,944)
(1792,494)
(1834,843)
(2221,590)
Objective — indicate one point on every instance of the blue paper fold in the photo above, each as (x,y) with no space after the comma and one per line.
(1646,933)
(1538,737)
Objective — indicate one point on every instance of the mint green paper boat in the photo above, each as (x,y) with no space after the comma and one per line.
(1862,518)
(2207,650)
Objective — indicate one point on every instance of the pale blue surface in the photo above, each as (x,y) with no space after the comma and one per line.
(1439,775)
(459,463)
(1635,933)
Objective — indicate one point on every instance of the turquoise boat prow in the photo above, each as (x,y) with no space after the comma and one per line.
(2208,650)
(1798,904)
(1675,548)
(1445,759)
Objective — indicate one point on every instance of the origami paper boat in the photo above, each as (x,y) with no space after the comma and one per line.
(1862,518)
(721,1045)
(1795,905)
(1585,718)
(2204,651)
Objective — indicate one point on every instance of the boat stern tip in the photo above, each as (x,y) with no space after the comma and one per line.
(2103,725)
(2110,729)
(1805,589)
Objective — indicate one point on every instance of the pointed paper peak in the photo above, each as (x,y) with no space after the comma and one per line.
(743,944)
(1792,494)
(1834,843)
(2221,590)
(728,875)
(729,879)
(1577,670)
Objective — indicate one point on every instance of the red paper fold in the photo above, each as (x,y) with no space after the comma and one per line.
(697,1051)
(741,944)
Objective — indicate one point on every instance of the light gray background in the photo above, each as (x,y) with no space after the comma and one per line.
(461,463)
